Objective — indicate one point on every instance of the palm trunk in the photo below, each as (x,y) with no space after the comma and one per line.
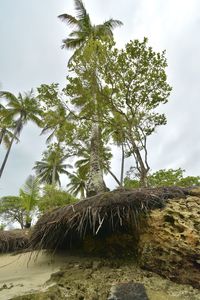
(54,175)
(82,194)
(113,175)
(2,135)
(9,147)
(122,166)
(27,222)
(6,156)
(95,184)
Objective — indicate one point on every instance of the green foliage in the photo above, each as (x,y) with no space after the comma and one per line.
(20,208)
(11,210)
(166,177)
(2,226)
(53,198)
(131,183)
(77,185)
(84,31)
(18,111)
(190,181)
(29,196)
(136,84)
(128,84)
(170,177)
(56,118)
(52,165)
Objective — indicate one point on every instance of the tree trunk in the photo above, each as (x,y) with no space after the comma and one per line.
(122,167)
(9,148)
(113,175)
(142,166)
(54,175)
(82,194)
(95,184)
(2,135)
(6,156)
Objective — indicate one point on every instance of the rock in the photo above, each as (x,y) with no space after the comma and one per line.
(128,291)
(170,244)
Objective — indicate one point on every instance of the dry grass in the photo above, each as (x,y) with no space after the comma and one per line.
(99,216)
(13,240)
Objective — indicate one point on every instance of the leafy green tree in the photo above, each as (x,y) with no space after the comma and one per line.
(135,84)
(52,165)
(78,39)
(11,210)
(132,83)
(21,208)
(131,183)
(20,110)
(165,177)
(53,198)
(170,177)
(189,181)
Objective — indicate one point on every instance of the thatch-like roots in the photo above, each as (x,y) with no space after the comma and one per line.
(11,241)
(120,211)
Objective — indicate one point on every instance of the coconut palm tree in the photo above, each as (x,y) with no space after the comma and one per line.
(20,110)
(52,166)
(83,163)
(6,127)
(5,133)
(84,31)
(29,196)
(77,185)
(55,124)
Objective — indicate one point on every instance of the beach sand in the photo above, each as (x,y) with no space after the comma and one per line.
(21,273)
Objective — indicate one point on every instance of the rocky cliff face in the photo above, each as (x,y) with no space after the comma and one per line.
(170,244)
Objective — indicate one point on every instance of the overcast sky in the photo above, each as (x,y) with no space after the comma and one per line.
(30,55)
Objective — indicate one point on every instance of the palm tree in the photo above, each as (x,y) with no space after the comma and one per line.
(52,166)
(55,124)
(5,132)
(20,110)
(77,185)
(6,135)
(84,31)
(29,196)
(83,164)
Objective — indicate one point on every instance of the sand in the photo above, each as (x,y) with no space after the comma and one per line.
(21,273)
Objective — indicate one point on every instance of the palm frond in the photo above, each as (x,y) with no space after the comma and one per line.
(80,8)
(8,96)
(50,137)
(112,24)
(70,20)
(106,29)
(70,43)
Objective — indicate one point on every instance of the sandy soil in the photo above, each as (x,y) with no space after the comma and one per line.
(22,273)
